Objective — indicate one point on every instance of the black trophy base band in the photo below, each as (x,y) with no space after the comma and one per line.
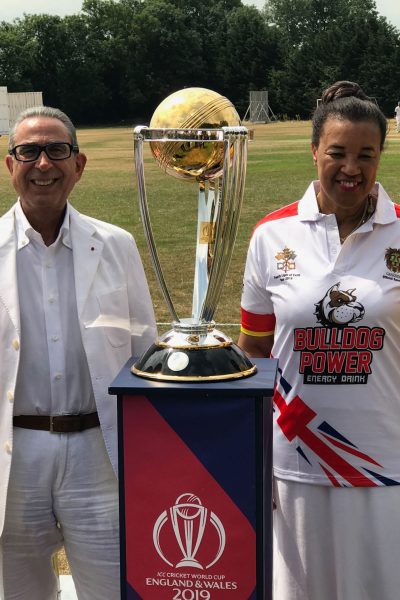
(197,364)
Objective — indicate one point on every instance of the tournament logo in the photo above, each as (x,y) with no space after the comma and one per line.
(285,260)
(392,258)
(338,352)
(190,525)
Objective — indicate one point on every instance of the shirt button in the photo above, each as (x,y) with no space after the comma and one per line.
(8,447)
(15,344)
(10,396)
(54,338)
(58,376)
(51,299)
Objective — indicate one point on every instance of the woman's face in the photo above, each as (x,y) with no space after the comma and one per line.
(347,160)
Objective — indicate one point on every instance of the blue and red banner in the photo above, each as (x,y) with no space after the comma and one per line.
(190,508)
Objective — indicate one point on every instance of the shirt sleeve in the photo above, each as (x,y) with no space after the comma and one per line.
(257,309)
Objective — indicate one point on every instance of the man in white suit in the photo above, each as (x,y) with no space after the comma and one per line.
(74,307)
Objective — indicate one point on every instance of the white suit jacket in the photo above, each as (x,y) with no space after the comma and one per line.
(115,314)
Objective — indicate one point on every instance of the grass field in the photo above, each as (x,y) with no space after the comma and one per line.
(279,170)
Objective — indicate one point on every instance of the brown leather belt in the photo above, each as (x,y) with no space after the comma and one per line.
(57,423)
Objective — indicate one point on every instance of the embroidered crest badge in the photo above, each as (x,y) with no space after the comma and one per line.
(392,258)
(285,260)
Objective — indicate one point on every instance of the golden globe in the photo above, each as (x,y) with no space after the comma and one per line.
(192,108)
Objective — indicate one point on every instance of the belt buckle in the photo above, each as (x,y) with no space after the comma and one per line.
(51,417)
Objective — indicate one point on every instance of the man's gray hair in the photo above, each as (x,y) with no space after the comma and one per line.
(43,111)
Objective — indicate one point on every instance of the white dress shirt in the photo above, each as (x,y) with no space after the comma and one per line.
(53,376)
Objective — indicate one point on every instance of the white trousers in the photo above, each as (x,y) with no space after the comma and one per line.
(62,491)
(336,543)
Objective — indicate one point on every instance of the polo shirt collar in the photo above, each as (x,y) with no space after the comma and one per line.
(308,206)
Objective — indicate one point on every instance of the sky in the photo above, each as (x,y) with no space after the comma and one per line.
(12,9)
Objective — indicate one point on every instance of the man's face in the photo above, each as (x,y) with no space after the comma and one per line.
(44,184)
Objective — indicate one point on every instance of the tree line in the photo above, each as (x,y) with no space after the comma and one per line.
(117,59)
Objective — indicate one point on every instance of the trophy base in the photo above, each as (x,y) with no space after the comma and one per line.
(185,354)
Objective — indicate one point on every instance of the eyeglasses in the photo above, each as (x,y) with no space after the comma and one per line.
(54,151)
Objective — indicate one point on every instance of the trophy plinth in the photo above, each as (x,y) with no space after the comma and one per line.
(195,135)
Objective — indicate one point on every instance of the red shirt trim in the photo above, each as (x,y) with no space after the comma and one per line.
(286,211)
(257,324)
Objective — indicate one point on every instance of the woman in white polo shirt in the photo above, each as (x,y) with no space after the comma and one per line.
(322,294)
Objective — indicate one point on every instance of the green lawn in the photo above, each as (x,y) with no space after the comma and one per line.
(280,168)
